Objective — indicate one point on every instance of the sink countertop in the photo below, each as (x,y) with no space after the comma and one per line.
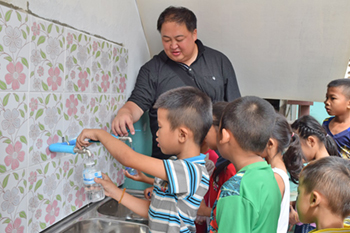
(87,212)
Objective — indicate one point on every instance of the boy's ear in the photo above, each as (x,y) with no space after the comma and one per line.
(225,136)
(183,134)
(315,199)
(270,144)
(348,107)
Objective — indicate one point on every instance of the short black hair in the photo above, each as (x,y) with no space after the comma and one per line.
(251,120)
(179,15)
(218,110)
(331,177)
(344,83)
(190,107)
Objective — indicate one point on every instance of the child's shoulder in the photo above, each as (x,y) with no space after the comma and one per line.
(327,120)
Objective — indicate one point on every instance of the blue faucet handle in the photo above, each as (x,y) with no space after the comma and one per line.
(58,147)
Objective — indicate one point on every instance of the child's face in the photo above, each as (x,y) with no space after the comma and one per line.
(167,138)
(210,139)
(307,150)
(303,203)
(336,102)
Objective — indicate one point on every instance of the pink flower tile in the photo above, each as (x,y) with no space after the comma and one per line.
(47,56)
(55,190)
(119,69)
(101,66)
(45,125)
(78,62)
(13,201)
(14,50)
(99,112)
(76,114)
(13,131)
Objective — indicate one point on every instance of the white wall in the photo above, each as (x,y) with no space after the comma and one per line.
(280,49)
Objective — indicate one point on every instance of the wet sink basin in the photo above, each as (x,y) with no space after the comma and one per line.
(98,225)
(113,209)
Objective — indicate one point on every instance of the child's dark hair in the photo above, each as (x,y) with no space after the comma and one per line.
(282,132)
(329,176)
(190,107)
(250,119)
(304,127)
(218,109)
(289,146)
(344,83)
(179,15)
(307,126)
(293,158)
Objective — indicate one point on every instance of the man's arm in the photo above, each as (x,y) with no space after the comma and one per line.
(231,86)
(123,153)
(125,118)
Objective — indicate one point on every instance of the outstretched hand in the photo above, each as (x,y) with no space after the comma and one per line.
(107,184)
(138,177)
(86,134)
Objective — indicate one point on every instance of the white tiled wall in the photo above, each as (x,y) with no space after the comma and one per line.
(54,81)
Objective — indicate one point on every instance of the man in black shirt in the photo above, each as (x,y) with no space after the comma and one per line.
(185,61)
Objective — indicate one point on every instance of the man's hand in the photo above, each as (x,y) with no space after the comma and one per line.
(121,122)
(125,119)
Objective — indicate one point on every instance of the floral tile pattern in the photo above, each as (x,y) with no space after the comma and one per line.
(78,62)
(46,56)
(14,49)
(13,201)
(54,81)
(45,125)
(101,66)
(13,133)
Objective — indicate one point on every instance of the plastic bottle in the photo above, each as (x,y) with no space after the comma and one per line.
(94,192)
(131,171)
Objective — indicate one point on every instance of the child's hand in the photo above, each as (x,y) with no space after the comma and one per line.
(107,184)
(148,193)
(293,217)
(86,134)
(138,177)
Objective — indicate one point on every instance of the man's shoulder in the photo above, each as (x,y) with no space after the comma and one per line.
(213,52)
(156,61)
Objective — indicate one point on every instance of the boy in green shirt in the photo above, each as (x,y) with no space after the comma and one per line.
(249,201)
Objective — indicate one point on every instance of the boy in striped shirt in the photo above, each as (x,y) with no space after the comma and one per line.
(184,118)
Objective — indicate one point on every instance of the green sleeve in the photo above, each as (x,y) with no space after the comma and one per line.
(235,214)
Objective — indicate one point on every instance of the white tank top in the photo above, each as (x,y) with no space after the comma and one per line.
(284,213)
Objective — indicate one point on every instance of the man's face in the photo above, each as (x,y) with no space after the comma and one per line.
(179,43)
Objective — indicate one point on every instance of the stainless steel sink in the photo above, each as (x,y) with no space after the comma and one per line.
(98,225)
(113,209)
(103,216)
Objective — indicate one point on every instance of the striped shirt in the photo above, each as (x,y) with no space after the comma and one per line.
(175,202)
(333,230)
